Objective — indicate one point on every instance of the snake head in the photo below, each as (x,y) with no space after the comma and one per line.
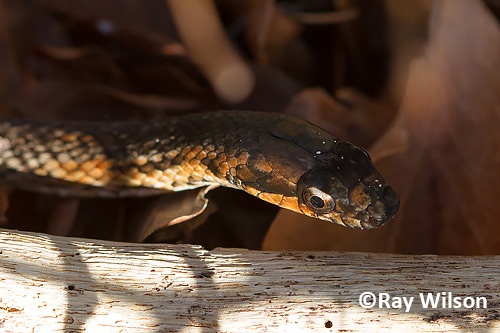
(345,188)
(296,165)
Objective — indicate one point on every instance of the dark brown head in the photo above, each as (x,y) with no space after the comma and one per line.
(299,166)
(344,187)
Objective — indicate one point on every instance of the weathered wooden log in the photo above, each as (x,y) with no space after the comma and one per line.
(50,283)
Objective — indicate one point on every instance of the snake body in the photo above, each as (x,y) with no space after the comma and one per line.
(279,158)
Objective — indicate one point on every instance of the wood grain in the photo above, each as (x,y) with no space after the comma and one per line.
(51,283)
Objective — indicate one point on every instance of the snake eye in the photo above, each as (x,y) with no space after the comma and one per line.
(317,200)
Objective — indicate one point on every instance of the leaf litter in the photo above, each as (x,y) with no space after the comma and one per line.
(430,114)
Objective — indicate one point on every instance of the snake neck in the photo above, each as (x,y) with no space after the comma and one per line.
(177,154)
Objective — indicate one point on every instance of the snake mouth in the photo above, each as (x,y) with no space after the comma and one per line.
(363,223)
(381,209)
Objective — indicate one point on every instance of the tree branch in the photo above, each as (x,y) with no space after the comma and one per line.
(50,283)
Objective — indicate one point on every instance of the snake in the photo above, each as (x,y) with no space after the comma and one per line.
(276,157)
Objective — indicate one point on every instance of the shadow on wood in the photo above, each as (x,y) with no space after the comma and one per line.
(54,283)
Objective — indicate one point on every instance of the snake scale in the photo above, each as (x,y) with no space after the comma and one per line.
(278,158)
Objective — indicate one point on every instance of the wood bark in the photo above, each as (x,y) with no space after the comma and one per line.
(50,283)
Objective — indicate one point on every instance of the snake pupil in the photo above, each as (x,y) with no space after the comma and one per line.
(317,202)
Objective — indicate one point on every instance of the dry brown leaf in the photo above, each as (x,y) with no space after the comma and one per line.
(85,60)
(394,142)
(268,31)
(63,216)
(149,101)
(448,178)
(4,204)
(61,99)
(171,209)
(356,123)
(45,100)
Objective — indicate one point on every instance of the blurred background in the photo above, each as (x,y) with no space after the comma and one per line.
(417,83)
